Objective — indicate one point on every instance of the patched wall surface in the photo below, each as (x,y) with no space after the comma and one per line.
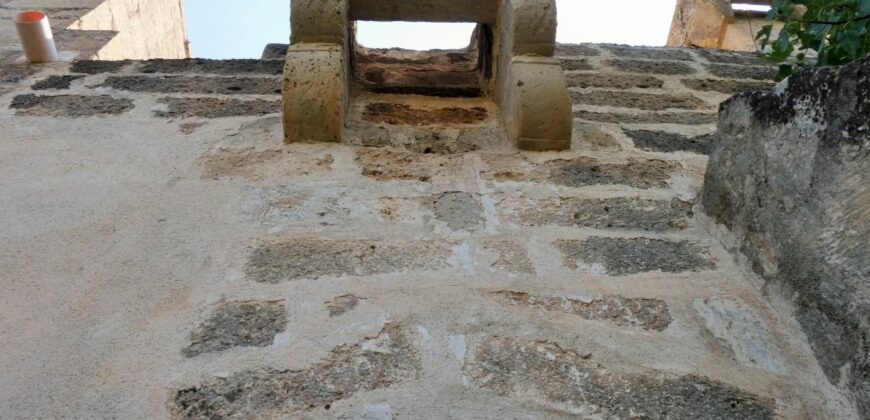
(789,179)
(165,255)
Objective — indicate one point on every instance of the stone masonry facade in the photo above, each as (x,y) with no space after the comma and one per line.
(166,255)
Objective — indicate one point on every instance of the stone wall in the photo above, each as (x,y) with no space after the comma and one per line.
(789,178)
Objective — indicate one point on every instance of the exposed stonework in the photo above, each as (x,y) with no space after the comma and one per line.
(789,179)
(623,256)
(649,314)
(661,141)
(558,379)
(238,324)
(615,213)
(374,363)
(304,259)
(69,105)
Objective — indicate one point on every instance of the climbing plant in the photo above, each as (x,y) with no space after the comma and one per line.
(837,31)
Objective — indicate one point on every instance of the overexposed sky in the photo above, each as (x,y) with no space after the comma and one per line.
(240,29)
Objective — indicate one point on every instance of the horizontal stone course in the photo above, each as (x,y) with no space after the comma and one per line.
(575,64)
(662,141)
(217,107)
(218,67)
(628,51)
(97,67)
(576,50)
(612,213)
(69,105)
(726,86)
(196,85)
(623,256)
(731,57)
(648,314)
(680,118)
(731,71)
(613,81)
(560,380)
(645,101)
(654,67)
(310,259)
(238,324)
(585,171)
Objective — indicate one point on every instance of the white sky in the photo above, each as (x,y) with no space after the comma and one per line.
(240,29)
(634,22)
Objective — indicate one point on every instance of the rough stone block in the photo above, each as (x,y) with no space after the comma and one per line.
(538,107)
(319,21)
(680,118)
(97,67)
(217,107)
(402,114)
(460,211)
(55,82)
(389,165)
(196,85)
(700,23)
(726,86)
(649,66)
(217,67)
(628,51)
(584,171)
(613,213)
(69,105)
(789,177)
(374,363)
(309,259)
(732,71)
(648,314)
(571,50)
(645,101)
(613,81)
(562,380)
(576,64)
(662,141)
(238,324)
(623,256)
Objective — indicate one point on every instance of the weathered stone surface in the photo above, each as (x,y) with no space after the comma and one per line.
(458,210)
(684,118)
(69,105)
(386,165)
(451,73)
(731,57)
(310,259)
(662,141)
(535,104)
(55,82)
(613,213)
(219,67)
(374,363)
(741,330)
(726,86)
(789,177)
(622,256)
(613,80)
(649,314)
(584,171)
(731,71)
(655,67)
(576,49)
(315,87)
(238,324)
(550,376)
(217,107)
(97,67)
(510,256)
(576,64)
(700,23)
(342,304)
(646,101)
(274,52)
(401,114)
(196,85)
(648,52)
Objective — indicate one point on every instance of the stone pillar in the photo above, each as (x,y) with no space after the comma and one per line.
(316,75)
(531,87)
(700,23)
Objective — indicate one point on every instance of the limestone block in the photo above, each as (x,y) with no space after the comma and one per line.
(324,21)
(314,93)
(700,23)
(538,108)
(532,26)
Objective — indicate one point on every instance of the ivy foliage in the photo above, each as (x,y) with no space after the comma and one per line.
(838,31)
